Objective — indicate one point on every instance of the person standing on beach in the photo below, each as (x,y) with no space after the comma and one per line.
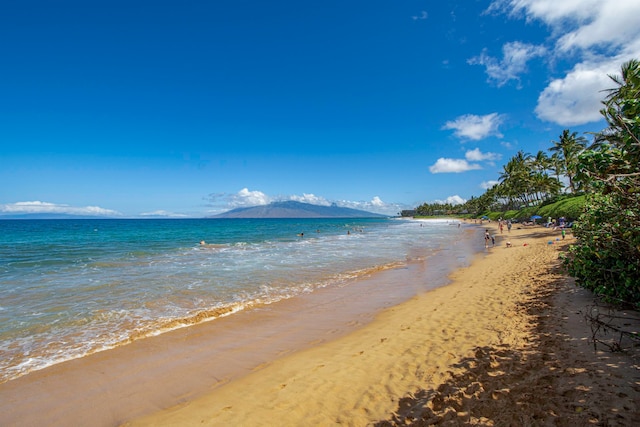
(487,237)
(509,226)
(563,234)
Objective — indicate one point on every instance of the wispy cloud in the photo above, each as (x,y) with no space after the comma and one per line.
(453,200)
(471,126)
(162,214)
(444,165)
(376,204)
(470,162)
(485,185)
(39,207)
(550,10)
(515,56)
(597,35)
(507,145)
(311,198)
(476,155)
(423,15)
(242,198)
(245,198)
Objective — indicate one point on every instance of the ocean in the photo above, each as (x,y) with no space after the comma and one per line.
(69,288)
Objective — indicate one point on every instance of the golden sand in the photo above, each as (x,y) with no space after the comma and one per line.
(505,344)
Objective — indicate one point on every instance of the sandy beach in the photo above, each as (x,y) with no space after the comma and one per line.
(506,343)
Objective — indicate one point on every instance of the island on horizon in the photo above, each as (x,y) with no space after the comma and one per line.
(293,209)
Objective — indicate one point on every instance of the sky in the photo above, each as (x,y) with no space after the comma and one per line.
(186,108)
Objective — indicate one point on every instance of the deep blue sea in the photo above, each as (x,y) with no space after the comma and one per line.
(69,288)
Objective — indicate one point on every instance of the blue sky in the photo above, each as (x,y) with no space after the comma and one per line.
(191,108)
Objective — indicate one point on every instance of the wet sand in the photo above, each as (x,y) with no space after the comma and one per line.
(146,376)
(504,344)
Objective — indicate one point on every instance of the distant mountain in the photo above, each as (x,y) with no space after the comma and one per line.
(292,209)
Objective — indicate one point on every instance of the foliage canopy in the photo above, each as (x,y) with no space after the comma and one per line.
(599,185)
(607,256)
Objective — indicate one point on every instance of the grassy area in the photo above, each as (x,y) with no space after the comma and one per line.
(568,207)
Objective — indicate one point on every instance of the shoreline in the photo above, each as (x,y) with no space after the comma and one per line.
(113,302)
(112,386)
(435,356)
(504,344)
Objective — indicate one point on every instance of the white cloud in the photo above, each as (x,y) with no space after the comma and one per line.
(597,35)
(311,198)
(453,200)
(245,197)
(163,213)
(551,11)
(515,56)
(612,24)
(471,126)
(581,24)
(506,145)
(39,207)
(444,165)
(376,205)
(377,201)
(485,185)
(423,15)
(476,155)
(576,98)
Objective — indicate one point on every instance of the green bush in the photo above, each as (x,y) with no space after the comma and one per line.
(606,257)
(526,213)
(570,208)
(510,214)
(605,260)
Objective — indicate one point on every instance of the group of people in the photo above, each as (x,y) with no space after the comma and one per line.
(502,223)
(491,238)
(562,224)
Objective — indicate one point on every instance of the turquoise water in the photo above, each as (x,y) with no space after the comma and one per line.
(73,287)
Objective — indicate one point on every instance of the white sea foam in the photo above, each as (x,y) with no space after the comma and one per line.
(77,292)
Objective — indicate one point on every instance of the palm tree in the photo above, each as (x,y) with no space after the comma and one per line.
(515,179)
(622,110)
(545,186)
(557,166)
(541,162)
(609,228)
(568,148)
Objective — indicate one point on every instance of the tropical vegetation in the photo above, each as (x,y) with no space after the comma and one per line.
(606,258)
(597,185)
